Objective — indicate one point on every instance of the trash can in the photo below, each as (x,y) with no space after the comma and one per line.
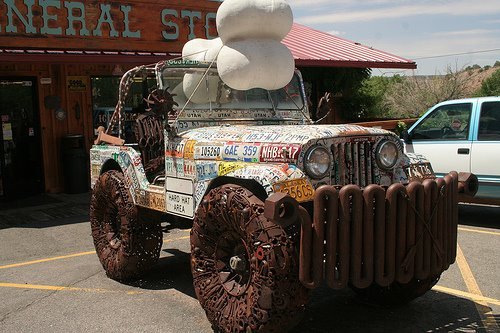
(74,159)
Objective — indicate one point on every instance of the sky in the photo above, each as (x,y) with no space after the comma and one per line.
(436,34)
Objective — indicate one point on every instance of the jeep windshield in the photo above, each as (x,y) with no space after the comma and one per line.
(201,95)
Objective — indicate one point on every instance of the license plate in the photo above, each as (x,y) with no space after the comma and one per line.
(419,171)
(299,189)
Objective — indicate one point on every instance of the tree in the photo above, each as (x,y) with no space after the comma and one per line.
(415,94)
(491,85)
(371,94)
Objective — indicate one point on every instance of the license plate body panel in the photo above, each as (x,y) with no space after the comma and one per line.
(419,171)
(299,189)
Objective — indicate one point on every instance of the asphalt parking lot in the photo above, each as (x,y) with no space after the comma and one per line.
(52,281)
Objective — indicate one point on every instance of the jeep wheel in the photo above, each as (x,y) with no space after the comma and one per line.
(245,267)
(126,243)
(396,293)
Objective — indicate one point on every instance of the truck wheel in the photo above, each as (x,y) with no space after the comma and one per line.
(245,267)
(396,293)
(126,243)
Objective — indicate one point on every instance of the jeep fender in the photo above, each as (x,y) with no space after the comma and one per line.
(418,164)
(123,159)
(258,178)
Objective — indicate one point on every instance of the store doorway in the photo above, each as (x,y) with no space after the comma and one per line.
(21,172)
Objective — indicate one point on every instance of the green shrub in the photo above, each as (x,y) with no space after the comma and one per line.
(491,85)
(400,127)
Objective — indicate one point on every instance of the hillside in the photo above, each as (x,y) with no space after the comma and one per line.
(475,77)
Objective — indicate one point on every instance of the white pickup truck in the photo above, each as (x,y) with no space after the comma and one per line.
(462,135)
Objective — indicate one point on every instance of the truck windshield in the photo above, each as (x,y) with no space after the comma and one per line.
(202,89)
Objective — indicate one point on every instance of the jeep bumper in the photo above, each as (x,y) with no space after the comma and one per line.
(375,234)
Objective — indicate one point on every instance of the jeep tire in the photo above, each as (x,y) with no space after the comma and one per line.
(245,267)
(126,243)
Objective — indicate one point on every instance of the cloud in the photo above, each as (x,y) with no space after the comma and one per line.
(336,32)
(492,21)
(472,32)
(333,3)
(308,3)
(440,44)
(457,8)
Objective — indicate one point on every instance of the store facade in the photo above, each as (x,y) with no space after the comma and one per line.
(61,61)
(60,65)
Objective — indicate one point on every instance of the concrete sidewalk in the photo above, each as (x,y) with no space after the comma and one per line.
(44,210)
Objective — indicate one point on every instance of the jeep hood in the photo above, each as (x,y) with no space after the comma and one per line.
(285,134)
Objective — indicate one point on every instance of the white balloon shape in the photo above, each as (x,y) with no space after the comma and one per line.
(201,49)
(207,88)
(262,19)
(248,64)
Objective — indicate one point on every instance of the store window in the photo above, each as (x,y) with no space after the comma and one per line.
(105,96)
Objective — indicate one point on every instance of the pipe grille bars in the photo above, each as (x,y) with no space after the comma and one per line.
(355,163)
(379,234)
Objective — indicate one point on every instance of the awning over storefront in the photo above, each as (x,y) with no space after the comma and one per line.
(316,48)
(82,57)
(309,47)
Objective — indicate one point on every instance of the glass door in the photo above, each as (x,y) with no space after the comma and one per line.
(20,140)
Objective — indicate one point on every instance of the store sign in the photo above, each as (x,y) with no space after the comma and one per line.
(76,83)
(139,25)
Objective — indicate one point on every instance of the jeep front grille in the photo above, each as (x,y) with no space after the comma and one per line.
(354,163)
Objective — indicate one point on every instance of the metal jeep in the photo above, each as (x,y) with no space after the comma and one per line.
(279,205)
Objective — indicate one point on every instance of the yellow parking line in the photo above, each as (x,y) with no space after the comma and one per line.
(479,231)
(165,240)
(61,288)
(482,307)
(437,288)
(47,259)
(464,294)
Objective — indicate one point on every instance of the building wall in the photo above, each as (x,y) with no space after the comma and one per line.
(134,26)
(52,80)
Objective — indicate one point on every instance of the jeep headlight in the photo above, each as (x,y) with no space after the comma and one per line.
(387,154)
(317,162)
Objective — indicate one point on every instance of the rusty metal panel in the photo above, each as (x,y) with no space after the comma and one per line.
(353,163)
(379,234)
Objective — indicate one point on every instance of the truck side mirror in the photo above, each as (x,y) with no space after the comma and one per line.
(405,136)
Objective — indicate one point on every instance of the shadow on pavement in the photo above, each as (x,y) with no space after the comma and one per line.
(46,210)
(343,311)
(479,215)
(31,201)
(172,272)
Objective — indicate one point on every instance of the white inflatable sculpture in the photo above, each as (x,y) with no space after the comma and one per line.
(249,52)
(200,50)
(252,55)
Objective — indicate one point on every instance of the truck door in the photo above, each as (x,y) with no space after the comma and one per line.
(442,136)
(485,159)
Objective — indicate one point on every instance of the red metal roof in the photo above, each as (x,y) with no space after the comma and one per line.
(309,47)
(312,47)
